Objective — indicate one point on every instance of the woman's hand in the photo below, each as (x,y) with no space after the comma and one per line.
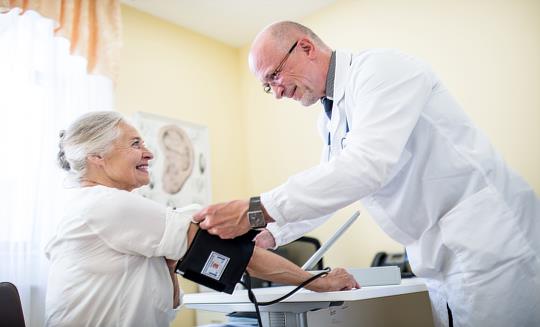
(337,280)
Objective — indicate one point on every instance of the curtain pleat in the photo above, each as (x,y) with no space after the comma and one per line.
(93,28)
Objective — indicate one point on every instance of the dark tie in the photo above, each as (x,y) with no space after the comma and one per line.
(327,103)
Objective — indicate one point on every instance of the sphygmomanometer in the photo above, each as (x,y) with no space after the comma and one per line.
(220,264)
(216,263)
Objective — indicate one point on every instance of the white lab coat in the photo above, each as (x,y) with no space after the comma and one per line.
(107,260)
(432,181)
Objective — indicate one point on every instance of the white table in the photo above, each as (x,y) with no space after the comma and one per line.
(406,304)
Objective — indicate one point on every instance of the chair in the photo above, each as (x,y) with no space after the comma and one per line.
(301,250)
(11,314)
(298,252)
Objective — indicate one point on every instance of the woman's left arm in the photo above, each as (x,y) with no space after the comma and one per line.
(270,266)
(176,287)
(172,266)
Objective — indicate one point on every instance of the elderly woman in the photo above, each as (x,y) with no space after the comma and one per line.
(114,252)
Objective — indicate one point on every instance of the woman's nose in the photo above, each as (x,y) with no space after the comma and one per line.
(147,154)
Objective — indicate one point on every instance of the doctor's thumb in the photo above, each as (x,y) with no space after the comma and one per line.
(199,216)
(207,225)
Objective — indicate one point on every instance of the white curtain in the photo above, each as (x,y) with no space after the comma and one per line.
(42,88)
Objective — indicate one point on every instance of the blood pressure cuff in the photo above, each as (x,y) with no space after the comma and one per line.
(217,263)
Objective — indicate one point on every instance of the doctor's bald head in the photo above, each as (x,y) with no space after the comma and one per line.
(291,61)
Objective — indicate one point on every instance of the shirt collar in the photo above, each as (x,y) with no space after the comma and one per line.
(331,76)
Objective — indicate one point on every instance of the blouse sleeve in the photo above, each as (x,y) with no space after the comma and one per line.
(132,224)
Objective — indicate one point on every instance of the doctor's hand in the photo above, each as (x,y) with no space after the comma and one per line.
(265,240)
(337,280)
(227,219)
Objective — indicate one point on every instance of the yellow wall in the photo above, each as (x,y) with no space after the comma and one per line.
(486,52)
(174,72)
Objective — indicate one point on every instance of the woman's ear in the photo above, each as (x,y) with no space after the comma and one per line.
(95,159)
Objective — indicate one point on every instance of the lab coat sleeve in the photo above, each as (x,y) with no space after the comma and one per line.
(385,96)
(292,231)
(132,224)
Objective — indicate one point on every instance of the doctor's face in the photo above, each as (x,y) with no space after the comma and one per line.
(125,165)
(290,74)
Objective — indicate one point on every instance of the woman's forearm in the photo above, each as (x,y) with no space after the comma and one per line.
(270,266)
(176,291)
(171,264)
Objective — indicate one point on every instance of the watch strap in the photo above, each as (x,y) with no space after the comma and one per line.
(255,213)
(255,203)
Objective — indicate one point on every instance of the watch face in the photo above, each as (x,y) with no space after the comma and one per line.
(256,219)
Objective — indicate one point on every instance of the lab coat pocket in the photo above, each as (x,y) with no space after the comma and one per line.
(485,236)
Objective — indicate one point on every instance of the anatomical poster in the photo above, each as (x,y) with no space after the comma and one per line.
(179,172)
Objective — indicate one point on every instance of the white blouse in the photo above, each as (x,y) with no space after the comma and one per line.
(108,260)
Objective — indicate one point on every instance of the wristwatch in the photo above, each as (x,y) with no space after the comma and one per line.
(255,213)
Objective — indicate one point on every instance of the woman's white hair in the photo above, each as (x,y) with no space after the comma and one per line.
(90,134)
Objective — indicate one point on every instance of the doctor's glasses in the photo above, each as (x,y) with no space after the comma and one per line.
(275,74)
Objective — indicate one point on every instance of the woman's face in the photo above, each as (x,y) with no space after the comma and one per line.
(125,165)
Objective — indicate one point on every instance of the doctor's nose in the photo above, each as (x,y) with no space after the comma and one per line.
(278,91)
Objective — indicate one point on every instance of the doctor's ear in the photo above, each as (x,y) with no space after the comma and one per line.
(306,46)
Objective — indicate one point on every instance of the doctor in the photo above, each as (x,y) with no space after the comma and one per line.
(395,138)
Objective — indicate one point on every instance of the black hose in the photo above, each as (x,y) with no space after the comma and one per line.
(247,284)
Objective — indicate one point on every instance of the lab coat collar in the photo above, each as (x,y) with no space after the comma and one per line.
(343,66)
(338,121)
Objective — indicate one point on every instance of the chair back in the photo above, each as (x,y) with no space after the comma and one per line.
(11,314)
(301,250)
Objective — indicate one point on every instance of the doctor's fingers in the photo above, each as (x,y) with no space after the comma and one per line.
(200,216)
(223,233)
(207,214)
(210,210)
(228,230)
(216,226)
(208,222)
